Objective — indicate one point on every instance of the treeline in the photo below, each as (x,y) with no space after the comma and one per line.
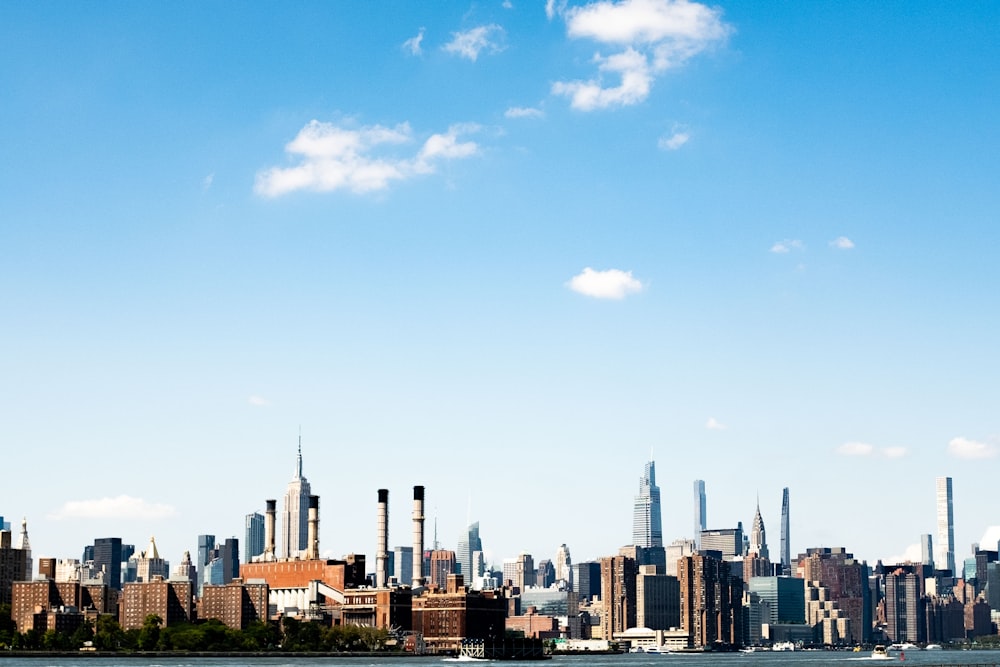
(211,635)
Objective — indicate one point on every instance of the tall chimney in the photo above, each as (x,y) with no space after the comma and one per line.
(418,536)
(269,530)
(312,548)
(382,547)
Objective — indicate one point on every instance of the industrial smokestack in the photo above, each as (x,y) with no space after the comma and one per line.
(269,530)
(312,548)
(382,547)
(418,536)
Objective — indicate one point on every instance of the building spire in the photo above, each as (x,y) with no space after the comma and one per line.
(298,460)
(24,544)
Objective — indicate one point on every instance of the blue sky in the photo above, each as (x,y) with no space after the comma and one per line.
(503,250)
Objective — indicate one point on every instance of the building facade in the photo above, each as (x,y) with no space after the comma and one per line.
(295,513)
(647,527)
(945,526)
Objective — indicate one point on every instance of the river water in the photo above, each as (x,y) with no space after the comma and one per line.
(762,659)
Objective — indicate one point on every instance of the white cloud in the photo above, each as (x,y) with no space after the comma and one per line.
(912,554)
(787,245)
(259,402)
(667,32)
(355,159)
(855,449)
(610,284)
(412,45)
(990,538)
(206,182)
(507,4)
(842,243)
(470,43)
(524,112)
(963,448)
(120,507)
(678,137)
(714,424)
(865,449)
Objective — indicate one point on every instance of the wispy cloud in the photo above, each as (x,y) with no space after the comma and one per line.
(654,35)
(788,245)
(714,424)
(865,449)
(842,243)
(120,507)
(259,402)
(470,43)
(412,45)
(678,137)
(964,448)
(359,159)
(524,112)
(206,182)
(609,284)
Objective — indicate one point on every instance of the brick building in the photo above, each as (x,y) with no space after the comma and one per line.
(172,601)
(236,604)
(445,619)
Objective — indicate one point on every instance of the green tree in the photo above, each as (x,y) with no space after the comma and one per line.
(82,635)
(108,634)
(149,634)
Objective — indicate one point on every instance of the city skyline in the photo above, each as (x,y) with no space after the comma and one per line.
(503,250)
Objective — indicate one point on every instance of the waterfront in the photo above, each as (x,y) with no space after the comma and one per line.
(762,659)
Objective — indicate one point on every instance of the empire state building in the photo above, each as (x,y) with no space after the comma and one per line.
(295,517)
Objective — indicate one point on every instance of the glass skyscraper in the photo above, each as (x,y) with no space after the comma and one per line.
(647,528)
(945,527)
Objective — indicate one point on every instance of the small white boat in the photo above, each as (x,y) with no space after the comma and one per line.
(783,646)
(880,653)
(932,647)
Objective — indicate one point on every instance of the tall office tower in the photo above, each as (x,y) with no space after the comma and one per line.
(563,565)
(586,580)
(442,563)
(186,571)
(229,551)
(402,562)
(945,527)
(108,558)
(295,517)
(758,537)
(657,600)
(675,551)
(618,580)
(904,613)
(468,544)
(206,552)
(711,601)
(545,573)
(647,529)
(786,549)
(926,550)
(699,511)
(149,564)
(253,539)
(785,598)
(727,541)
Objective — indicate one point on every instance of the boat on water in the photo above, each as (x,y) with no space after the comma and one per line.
(880,653)
(932,647)
(464,658)
(783,646)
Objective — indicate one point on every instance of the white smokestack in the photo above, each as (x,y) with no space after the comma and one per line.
(312,548)
(382,550)
(418,536)
(269,530)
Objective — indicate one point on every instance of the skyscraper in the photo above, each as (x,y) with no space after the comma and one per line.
(468,544)
(926,550)
(699,511)
(758,538)
(786,549)
(563,565)
(647,529)
(253,542)
(108,557)
(295,517)
(945,527)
